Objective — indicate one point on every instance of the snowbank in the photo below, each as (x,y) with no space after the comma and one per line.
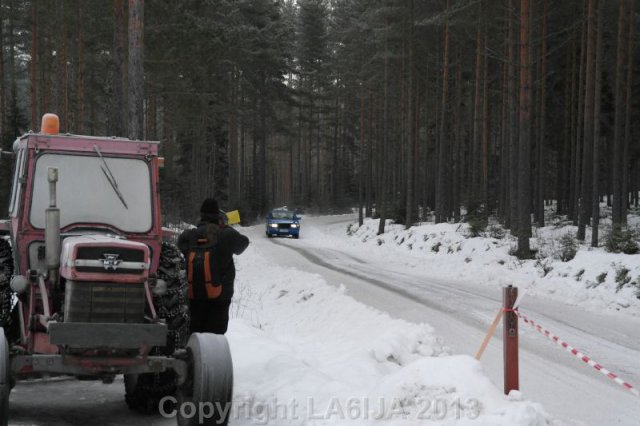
(594,279)
(306,353)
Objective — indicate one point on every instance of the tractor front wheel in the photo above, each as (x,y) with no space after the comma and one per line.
(143,392)
(210,383)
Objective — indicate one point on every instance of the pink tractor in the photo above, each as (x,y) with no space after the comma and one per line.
(88,287)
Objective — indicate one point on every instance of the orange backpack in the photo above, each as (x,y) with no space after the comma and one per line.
(202,274)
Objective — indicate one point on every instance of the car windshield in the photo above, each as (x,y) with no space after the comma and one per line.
(282,214)
(86,195)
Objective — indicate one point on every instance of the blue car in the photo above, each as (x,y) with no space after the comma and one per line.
(282,222)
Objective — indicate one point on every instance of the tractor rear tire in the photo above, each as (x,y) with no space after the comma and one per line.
(5,379)
(210,380)
(143,392)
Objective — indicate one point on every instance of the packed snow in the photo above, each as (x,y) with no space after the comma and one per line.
(405,283)
(311,297)
(306,353)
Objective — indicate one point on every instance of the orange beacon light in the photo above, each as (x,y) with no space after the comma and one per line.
(50,124)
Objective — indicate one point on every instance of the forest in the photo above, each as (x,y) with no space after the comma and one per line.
(410,110)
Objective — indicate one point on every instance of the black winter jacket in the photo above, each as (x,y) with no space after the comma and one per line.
(228,242)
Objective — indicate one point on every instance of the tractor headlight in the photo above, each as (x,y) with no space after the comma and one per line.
(294,225)
(273,225)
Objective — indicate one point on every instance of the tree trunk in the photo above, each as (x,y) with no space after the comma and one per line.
(44,67)
(503,210)
(318,185)
(382,196)
(443,172)
(524,164)
(243,149)
(65,82)
(542,119)
(12,61)
(369,180)
(361,174)
(34,70)
(220,164)
(627,128)
(477,141)
(61,64)
(563,173)
(484,182)
(618,142)
(136,69)
(595,199)
(79,110)
(587,158)
(234,186)
(513,123)
(335,160)
(575,209)
(458,155)
(118,70)
(411,146)
(299,183)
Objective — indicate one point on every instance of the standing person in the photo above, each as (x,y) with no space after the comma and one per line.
(209,250)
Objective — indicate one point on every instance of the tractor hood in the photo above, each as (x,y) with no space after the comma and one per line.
(104,258)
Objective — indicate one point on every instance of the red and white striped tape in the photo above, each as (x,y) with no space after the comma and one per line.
(578,354)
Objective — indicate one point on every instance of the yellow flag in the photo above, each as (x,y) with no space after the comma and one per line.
(233,218)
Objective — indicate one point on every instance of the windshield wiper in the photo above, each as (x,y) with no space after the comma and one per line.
(112,180)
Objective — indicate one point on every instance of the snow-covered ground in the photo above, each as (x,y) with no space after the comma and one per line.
(460,304)
(594,279)
(307,353)
(331,329)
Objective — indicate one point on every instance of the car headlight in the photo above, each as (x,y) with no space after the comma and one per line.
(294,225)
(273,225)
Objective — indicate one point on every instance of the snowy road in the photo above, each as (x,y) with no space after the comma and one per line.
(68,402)
(569,389)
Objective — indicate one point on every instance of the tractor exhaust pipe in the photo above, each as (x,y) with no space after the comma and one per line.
(52,228)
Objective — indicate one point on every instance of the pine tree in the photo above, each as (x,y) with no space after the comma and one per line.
(524,145)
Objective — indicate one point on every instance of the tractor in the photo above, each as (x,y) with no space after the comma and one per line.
(91,286)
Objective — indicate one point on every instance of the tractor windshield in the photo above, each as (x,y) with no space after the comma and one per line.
(86,194)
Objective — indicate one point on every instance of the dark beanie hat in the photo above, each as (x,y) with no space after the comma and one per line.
(209,208)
